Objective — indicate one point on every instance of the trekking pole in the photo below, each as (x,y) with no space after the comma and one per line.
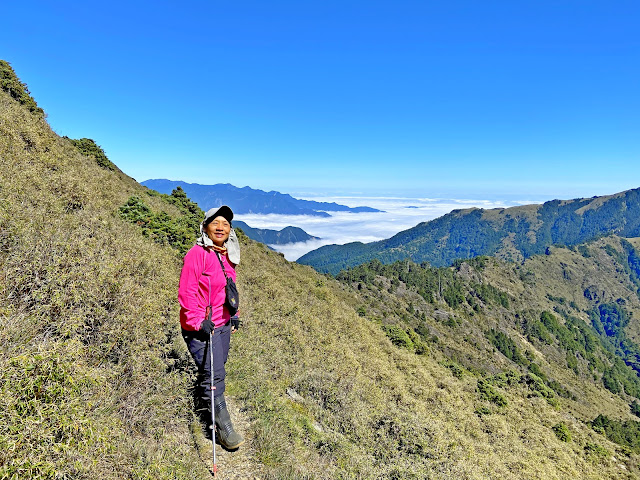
(213,411)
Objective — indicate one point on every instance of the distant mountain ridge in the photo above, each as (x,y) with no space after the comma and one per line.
(274,237)
(247,200)
(512,233)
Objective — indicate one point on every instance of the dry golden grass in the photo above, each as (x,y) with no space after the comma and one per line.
(367,409)
(87,328)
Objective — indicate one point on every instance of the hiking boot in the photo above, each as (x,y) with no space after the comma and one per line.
(228,437)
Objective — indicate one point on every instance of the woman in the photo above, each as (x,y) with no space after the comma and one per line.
(202,299)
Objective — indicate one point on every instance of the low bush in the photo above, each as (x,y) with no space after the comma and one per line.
(89,147)
(398,336)
(178,232)
(487,392)
(562,432)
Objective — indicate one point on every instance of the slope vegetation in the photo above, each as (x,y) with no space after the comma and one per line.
(489,370)
(89,350)
(562,327)
(512,233)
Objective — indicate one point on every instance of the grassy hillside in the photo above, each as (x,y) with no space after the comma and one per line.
(336,379)
(357,381)
(89,350)
(562,326)
(512,233)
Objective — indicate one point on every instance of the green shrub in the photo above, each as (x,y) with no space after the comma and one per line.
(487,392)
(453,296)
(506,346)
(419,347)
(456,369)
(610,382)
(596,452)
(506,379)
(398,336)
(90,148)
(10,83)
(490,294)
(572,363)
(611,251)
(584,251)
(626,433)
(535,369)
(483,410)
(536,329)
(179,232)
(539,388)
(562,432)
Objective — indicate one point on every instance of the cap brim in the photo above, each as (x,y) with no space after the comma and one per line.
(224,211)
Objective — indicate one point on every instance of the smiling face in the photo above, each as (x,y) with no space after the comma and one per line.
(218,230)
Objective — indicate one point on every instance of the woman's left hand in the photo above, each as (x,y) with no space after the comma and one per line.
(235,324)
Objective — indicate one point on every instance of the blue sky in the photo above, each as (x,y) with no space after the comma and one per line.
(463,99)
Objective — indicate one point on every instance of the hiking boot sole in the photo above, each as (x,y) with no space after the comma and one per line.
(228,446)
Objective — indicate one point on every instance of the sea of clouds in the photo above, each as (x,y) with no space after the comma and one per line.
(344,227)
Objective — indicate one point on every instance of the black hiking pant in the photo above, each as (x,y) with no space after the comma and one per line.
(198,345)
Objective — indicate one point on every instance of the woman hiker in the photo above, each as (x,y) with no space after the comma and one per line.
(202,298)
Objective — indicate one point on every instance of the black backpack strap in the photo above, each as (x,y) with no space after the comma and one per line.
(221,264)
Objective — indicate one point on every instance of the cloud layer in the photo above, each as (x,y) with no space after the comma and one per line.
(344,227)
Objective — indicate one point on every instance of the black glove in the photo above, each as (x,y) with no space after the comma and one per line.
(236,323)
(207,326)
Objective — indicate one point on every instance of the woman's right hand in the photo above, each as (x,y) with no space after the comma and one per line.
(207,326)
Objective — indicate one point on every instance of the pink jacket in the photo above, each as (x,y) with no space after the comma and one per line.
(202,283)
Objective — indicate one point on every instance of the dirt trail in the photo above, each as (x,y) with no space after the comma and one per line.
(240,464)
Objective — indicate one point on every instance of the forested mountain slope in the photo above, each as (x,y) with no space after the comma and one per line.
(564,325)
(512,233)
(336,379)
(274,237)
